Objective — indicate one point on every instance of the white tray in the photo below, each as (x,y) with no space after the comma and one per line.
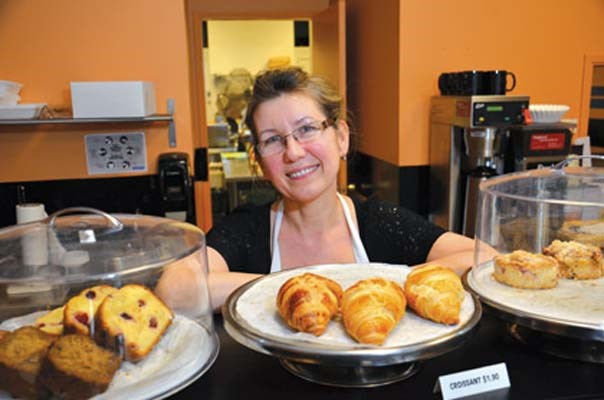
(21,111)
(184,353)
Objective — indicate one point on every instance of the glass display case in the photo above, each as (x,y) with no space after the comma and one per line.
(538,258)
(136,285)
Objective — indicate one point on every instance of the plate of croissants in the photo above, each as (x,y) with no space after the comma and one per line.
(353,315)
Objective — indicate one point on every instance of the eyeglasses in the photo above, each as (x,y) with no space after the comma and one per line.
(305,133)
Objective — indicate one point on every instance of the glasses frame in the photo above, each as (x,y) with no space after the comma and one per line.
(323,125)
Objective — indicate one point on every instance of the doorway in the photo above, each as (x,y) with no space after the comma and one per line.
(234,52)
(327,43)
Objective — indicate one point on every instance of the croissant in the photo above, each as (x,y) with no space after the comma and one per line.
(308,302)
(371,308)
(435,293)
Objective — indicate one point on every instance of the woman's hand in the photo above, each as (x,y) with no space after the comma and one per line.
(457,252)
(221,281)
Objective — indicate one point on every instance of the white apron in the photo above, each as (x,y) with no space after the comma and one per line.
(360,255)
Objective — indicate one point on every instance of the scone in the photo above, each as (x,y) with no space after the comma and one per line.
(576,260)
(79,312)
(21,355)
(526,270)
(131,321)
(77,368)
(52,321)
(3,334)
(588,232)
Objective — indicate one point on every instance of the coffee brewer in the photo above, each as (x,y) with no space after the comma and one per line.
(467,145)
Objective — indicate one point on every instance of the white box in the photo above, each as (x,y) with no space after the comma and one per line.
(112,99)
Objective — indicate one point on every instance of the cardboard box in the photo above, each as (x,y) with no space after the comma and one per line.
(112,99)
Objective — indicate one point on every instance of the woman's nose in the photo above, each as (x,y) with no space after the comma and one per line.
(293,149)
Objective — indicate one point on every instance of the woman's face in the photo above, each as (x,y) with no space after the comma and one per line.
(302,172)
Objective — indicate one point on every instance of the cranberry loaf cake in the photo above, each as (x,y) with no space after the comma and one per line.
(52,321)
(21,355)
(131,321)
(576,260)
(77,368)
(78,316)
(526,270)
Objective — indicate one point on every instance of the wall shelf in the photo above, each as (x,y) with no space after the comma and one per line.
(150,119)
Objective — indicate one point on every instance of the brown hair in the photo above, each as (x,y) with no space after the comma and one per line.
(275,82)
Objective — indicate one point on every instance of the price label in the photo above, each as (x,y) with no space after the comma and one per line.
(474,381)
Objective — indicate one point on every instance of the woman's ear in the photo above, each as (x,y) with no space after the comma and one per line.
(343,137)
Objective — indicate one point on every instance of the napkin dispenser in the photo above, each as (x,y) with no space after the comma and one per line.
(176,186)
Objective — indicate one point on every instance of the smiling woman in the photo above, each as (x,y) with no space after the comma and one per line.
(301,134)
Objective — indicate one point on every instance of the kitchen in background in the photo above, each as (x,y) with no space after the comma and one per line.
(234,51)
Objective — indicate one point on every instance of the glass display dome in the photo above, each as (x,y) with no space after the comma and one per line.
(84,271)
(538,261)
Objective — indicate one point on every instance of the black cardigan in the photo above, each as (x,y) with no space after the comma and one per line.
(390,234)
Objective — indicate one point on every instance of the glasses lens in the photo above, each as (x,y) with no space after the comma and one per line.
(271,147)
(307,131)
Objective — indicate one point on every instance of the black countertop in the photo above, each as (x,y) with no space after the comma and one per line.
(241,373)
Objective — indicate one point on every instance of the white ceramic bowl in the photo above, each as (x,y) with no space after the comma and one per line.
(547,113)
(9,87)
(9,99)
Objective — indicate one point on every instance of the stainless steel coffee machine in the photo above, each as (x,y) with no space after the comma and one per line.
(467,146)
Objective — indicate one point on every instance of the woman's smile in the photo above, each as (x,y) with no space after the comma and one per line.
(301,173)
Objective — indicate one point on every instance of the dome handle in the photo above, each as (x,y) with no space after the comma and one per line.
(117,225)
(570,159)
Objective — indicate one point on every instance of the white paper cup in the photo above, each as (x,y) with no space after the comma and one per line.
(34,246)
(34,243)
(30,212)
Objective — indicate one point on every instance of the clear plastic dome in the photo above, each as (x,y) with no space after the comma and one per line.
(46,264)
(528,210)
(538,257)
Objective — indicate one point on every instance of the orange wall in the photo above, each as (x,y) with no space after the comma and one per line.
(543,42)
(373,75)
(45,45)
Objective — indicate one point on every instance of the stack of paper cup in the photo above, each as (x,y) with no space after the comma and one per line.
(30,212)
(34,243)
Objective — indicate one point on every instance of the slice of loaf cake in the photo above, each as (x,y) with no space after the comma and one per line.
(131,321)
(21,355)
(52,321)
(77,368)
(78,315)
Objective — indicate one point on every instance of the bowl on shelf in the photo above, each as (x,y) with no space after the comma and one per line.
(9,87)
(9,99)
(547,113)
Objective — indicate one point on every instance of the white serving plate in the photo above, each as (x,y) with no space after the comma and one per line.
(21,111)
(183,354)
(335,359)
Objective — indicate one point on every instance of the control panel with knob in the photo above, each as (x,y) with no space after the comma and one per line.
(116,153)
